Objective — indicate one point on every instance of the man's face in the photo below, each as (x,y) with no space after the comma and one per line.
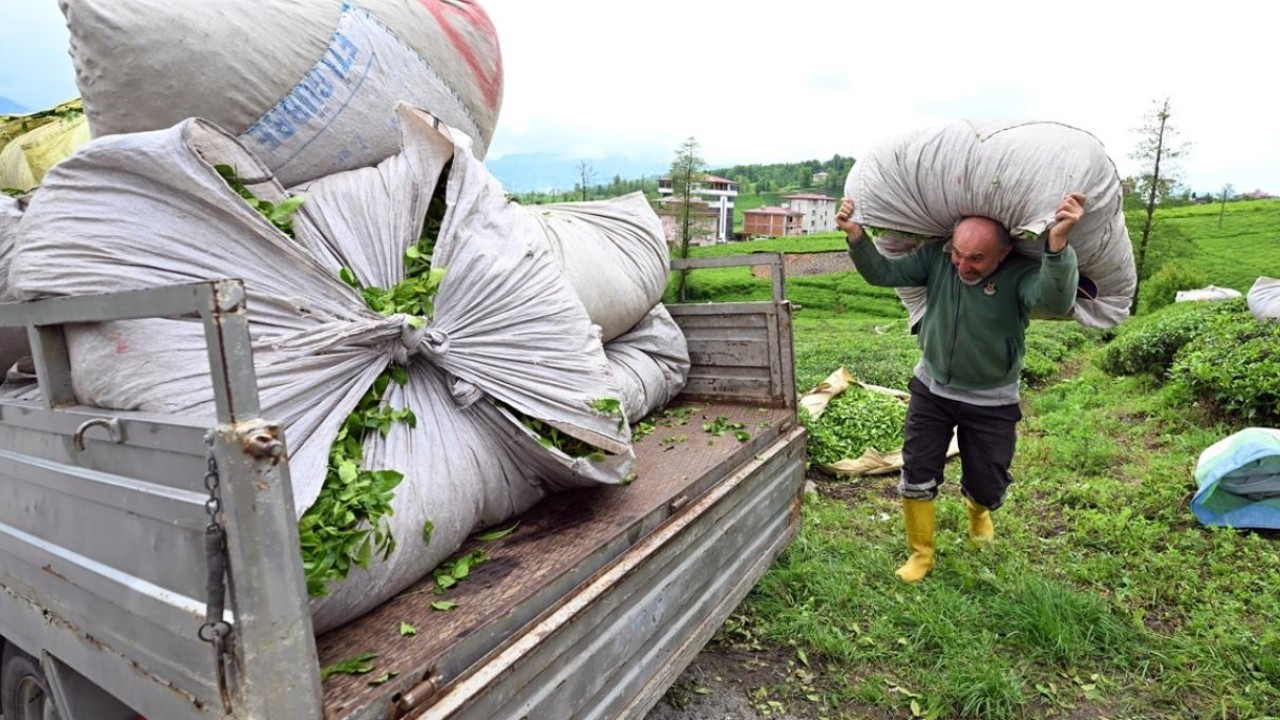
(976,249)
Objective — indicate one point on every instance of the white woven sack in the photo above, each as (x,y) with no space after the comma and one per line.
(613,252)
(651,363)
(1209,293)
(1264,298)
(919,184)
(147,209)
(13,341)
(309,86)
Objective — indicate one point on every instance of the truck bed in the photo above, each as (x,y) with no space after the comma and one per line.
(557,545)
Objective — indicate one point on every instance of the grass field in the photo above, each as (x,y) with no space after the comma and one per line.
(1103,597)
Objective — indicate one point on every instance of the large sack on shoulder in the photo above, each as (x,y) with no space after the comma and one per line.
(508,338)
(1264,298)
(916,186)
(13,341)
(613,252)
(309,86)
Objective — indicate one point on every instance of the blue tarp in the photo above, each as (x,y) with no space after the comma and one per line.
(1238,480)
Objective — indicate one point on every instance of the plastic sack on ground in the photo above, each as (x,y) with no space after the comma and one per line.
(613,252)
(309,86)
(650,362)
(13,341)
(1264,299)
(1238,481)
(509,336)
(914,187)
(1210,293)
(27,157)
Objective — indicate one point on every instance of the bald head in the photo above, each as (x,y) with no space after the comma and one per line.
(978,246)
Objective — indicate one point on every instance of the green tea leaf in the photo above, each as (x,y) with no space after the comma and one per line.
(407,629)
(444,605)
(498,534)
(358,665)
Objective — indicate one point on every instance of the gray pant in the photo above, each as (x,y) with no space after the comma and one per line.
(987,438)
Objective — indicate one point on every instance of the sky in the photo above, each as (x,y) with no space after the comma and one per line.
(759,83)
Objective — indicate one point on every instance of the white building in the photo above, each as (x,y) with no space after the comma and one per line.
(819,211)
(716,193)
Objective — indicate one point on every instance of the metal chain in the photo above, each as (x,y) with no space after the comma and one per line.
(216,630)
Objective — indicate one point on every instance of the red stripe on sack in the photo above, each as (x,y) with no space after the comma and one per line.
(473,15)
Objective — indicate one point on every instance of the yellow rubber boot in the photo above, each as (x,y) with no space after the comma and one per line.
(920,525)
(981,529)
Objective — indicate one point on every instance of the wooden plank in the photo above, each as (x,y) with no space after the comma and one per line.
(760,308)
(752,260)
(746,353)
(718,334)
(775,363)
(786,349)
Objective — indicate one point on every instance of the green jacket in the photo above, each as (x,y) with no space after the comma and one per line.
(973,336)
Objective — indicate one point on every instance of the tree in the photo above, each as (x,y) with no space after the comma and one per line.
(1228,191)
(585,174)
(1159,175)
(686,172)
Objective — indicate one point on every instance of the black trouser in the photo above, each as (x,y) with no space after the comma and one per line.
(987,438)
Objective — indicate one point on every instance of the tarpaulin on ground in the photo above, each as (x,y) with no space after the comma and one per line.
(872,461)
(1238,481)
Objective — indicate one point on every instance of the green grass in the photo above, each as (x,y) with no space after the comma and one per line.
(1245,246)
(1102,597)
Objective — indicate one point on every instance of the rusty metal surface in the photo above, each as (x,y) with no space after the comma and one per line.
(557,545)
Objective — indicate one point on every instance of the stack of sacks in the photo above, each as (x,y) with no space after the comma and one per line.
(509,340)
(308,86)
(914,188)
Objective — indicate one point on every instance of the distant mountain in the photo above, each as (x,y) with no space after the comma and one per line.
(540,172)
(9,107)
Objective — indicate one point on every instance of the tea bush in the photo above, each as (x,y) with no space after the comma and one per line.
(1147,344)
(1234,364)
(1161,289)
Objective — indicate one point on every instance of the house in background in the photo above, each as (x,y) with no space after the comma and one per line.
(819,211)
(820,177)
(715,193)
(702,223)
(772,222)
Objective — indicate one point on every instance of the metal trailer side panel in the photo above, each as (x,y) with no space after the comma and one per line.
(98,571)
(611,650)
(106,568)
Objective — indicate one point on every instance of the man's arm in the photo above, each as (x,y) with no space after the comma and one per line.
(909,270)
(1053,289)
